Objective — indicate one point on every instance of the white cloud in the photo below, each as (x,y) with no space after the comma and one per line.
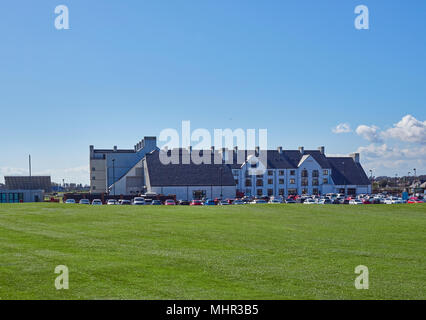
(409,129)
(342,128)
(385,159)
(371,134)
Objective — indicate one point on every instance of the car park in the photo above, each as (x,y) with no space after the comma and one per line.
(84,201)
(97,202)
(70,201)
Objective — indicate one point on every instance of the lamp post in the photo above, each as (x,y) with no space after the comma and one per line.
(113,175)
(415,173)
(220,179)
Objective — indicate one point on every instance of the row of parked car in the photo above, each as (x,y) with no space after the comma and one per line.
(327,199)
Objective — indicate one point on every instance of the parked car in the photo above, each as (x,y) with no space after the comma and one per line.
(209,202)
(258,201)
(290,200)
(196,203)
(224,203)
(124,202)
(355,201)
(70,201)
(238,202)
(309,201)
(415,200)
(184,203)
(274,201)
(97,202)
(156,203)
(325,201)
(138,201)
(169,202)
(84,201)
(112,202)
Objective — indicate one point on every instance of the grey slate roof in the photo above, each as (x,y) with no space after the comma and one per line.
(345,171)
(187,174)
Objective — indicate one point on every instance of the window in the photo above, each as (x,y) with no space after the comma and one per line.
(281,192)
(281,181)
(315,182)
(259,182)
(325,172)
(248,182)
(236,181)
(93,178)
(270,173)
(292,181)
(93,169)
(325,180)
(260,192)
(281,172)
(94,188)
(315,191)
(305,173)
(315,173)
(304,191)
(248,192)
(235,172)
(292,172)
(270,181)
(270,192)
(304,182)
(292,191)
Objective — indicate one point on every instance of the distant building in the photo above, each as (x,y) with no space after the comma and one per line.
(286,172)
(109,165)
(18,196)
(28,183)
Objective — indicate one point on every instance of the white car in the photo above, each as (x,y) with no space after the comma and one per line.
(355,202)
(84,201)
(112,202)
(72,201)
(238,202)
(393,200)
(274,201)
(97,202)
(258,201)
(309,201)
(138,201)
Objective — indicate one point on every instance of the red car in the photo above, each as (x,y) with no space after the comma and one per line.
(169,202)
(366,201)
(415,200)
(196,203)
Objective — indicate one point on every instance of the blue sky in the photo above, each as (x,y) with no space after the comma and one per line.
(126,69)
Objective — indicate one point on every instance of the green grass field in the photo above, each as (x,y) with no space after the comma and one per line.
(228,252)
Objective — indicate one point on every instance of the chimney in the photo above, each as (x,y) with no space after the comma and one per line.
(322,150)
(355,156)
(302,150)
(280,150)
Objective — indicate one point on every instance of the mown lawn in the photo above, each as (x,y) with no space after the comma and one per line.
(229,252)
